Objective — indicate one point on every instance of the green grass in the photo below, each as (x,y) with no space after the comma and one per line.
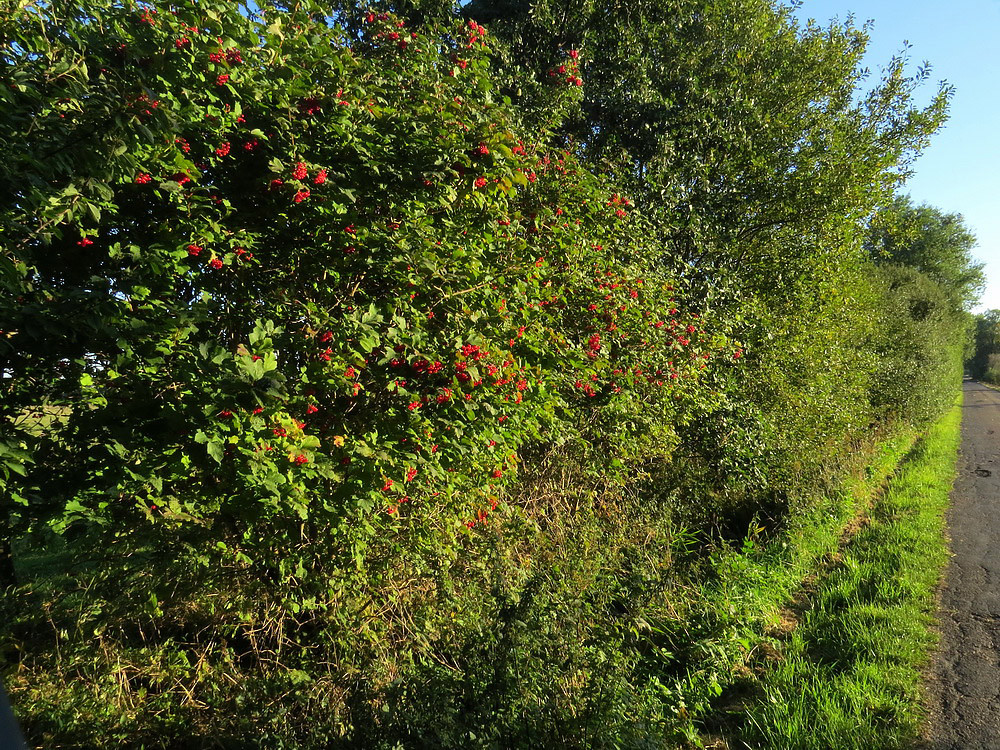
(849,675)
(739,600)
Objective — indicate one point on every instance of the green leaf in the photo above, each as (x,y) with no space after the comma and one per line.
(215,450)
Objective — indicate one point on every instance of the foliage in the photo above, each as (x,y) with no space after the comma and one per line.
(931,241)
(922,345)
(375,379)
(984,360)
(929,280)
(337,289)
(725,115)
(751,135)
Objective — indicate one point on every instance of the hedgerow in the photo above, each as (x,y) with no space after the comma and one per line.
(379,401)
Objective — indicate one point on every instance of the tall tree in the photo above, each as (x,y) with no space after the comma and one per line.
(726,117)
(932,241)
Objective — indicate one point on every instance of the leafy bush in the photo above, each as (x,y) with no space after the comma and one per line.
(338,286)
(327,291)
(982,358)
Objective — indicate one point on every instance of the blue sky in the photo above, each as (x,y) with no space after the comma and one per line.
(960,171)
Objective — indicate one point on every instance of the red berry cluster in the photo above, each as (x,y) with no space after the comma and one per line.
(568,71)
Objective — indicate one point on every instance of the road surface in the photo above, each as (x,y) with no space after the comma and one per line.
(963,697)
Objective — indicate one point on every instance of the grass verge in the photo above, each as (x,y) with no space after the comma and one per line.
(848,676)
(723,623)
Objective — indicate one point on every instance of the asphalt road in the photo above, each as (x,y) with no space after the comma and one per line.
(963,698)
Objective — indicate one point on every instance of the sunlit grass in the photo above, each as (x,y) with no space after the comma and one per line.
(849,675)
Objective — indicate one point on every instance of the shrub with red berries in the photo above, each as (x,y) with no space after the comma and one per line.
(345,318)
(333,289)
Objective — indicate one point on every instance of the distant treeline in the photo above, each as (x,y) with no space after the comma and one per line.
(983,360)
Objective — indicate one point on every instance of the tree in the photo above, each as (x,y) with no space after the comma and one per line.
(725,116)
(933,242)
(919,346)
(754,142)
(982,361)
